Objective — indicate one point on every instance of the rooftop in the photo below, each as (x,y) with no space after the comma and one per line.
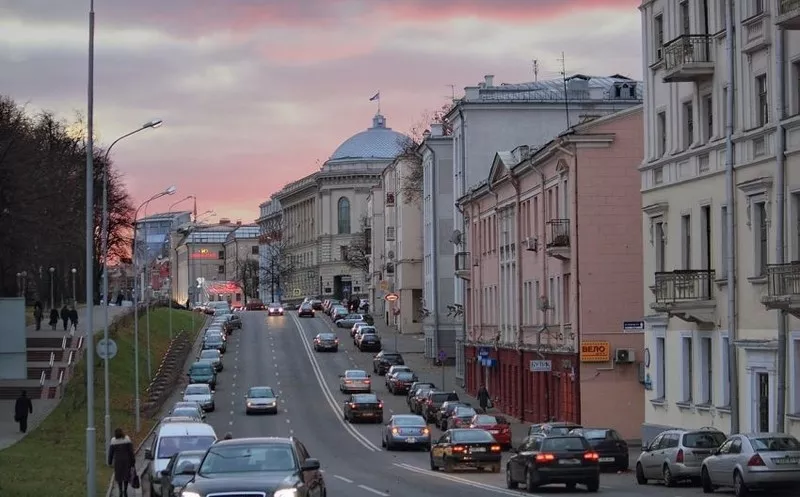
(377,142)
(579,87)
(163,216)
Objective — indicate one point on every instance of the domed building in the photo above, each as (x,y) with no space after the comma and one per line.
(321,215)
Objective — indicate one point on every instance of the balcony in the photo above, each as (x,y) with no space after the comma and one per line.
(558,239)
(788,14)
(688,58)
(783,288)
(463,266)
(686,294)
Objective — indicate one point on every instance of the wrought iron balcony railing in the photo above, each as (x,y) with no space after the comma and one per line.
(788,7)
(685,285)
(783,280)
(558,233)
(686,50)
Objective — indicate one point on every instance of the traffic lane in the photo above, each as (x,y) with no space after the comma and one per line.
(343,450)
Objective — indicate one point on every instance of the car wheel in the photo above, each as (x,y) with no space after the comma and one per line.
(640,479)
(448,466)
(530,481)
(571,487)
(705,482)
(667,477)
(510,483)
(593,485)
(624,465)
(739,487)
(383,442)
(434,467)
(247,412)
(336,349)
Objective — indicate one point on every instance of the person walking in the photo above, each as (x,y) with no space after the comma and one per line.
(22,409)
(53,319)
(38,315)
(65,316)
(122,457)
(484,399)
(73,318)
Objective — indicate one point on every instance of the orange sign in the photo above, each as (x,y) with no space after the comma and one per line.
(595,352)
(391,297)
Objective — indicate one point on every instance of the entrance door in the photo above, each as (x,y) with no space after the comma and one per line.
(762,402)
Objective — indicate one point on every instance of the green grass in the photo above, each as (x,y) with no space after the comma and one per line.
(51,459)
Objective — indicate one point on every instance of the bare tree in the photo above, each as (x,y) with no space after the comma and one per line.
(360,248)
(411,183)
(279,265)
(247,277)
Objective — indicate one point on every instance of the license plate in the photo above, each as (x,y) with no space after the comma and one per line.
(494,432)
(411,440)
(786,460)
(478,449)
(606,459)
(570,462)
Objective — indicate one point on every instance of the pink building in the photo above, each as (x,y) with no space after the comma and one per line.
(554,266)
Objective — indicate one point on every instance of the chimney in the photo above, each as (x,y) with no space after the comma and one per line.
(489,80)
(224,220)
(437,129)
(238,222)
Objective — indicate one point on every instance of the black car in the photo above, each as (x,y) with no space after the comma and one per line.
(370,343)
(384,360)
(461,417)
(447,410)
(465,447)
(556,459)
(257,466)
(306,310)
(399,383)
(363,406)
(433,401)
(328,342)
(176,476)
(316,305)
(608,444)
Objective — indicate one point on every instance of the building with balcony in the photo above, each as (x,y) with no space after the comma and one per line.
(492,117)
(199,262)
(553,271)
(270,248)
(396,254)
(242,258)
(685,206)
(441,318)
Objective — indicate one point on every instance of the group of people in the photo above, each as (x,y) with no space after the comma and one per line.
(68,317)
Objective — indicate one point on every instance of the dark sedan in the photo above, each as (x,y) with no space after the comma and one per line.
(610,446)
(179,472)
(370,343)
(384,360)
(363,407)
(470,448)
(326,342)
(556,459)
(305,310)
(275,309)
(399,383)
(316,305)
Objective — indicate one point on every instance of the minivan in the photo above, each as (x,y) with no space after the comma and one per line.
(170,439)
(203,372)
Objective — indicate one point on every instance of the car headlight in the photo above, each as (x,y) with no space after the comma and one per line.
(189,493)
(249,404)
(286,492)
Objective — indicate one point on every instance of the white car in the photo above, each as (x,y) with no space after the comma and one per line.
(355,381)
(200,393)
(261,399)
(170,439)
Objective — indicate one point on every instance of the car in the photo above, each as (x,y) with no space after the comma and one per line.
(400,382)
(447,410)
(202,394)
(213,356)
(677,455)
(188,411)
(175,476)
(386,359)
(170,439)
(417,397)
(461,417)
(254,305)
(363,330)
(363,407)
(234,322)
(753,461)
(338,313)
(305,311)
(398,368)
(180,419)
(464,447)
(349,320)
(203,372)
(275,309)
(356,326)
(499,427)
(326,342)
(269,466)
(406,430)
(554,428)
(556,459)
(613,449)
(184,403)
(215,342)
(370,343)
(316,305)
(355,381)
(432,402)
(260,399)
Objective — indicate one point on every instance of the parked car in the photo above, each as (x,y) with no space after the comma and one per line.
(370,343)
(203,372)
(498,426)
(384,360)
(176,476)
(399,383)
(676,455)
(202,394)
(461,417)
(432,401)
(447,410)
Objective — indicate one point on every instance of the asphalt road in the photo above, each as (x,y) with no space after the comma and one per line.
(276,351)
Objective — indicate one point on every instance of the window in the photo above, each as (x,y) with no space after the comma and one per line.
(708,109)
(687,354)
(221,269)
(390,233)
(658,175)
(688,125)
(761,231)
(758,7)
(707,372)
(725,374)
(686,21)
(221,255)
(343,252)
(722,270)
(705,237)
(661,130)
(762,100)
(661,363)
(254,250)
(389,199)
(658,29)
(686,241)
(661,246)
(703,164)
(343,212)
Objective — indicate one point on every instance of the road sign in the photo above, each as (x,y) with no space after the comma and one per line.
(442,355)
(541,366)
(106,349)
(633,326)
(391,297)
(297,292)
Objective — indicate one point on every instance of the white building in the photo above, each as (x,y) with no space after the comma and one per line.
(684,202)
(493,117)
(440,324)
(269,245)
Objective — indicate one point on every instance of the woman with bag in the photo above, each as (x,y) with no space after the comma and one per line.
(122,457)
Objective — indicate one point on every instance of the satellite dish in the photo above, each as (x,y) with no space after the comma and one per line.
(455,238)
(390,254)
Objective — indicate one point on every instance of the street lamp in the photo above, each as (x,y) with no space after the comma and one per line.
(52,289)
(74,294)
(104,249)
(169,256)
(168,191)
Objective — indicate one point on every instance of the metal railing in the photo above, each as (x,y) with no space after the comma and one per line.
(783,280)
(788,6)
(71,357)
(558,233)
(80,343)
(687,49)
(52,358)
(462,261)
(42,379)
(61,377)
(64,342)
(685,285)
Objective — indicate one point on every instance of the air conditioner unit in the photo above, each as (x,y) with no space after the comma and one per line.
(624,356)
(531,243)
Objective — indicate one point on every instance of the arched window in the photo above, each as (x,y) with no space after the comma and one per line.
(343,211)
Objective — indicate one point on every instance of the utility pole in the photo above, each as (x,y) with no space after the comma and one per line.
(563,61)
(535,71)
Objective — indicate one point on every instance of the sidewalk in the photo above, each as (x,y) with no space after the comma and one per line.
(9,430)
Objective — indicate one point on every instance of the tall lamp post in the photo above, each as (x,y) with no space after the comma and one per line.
(168,191)
(74,294)
(52,287)
(169,255)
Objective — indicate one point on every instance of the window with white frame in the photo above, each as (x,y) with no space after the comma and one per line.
(686,241)
(660,242)
(661,133)
(724,374)
(761,233)
(722,267)
(762,100)
(687,369)
(795,385)
(688,125)
(708,117)
(661,365)
(706,371)
(658,38)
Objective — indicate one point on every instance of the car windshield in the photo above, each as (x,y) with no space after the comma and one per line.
(355,374)
(248,459)
(169,446)
(392,358)
(409,421)
(472,436)
(563,444)
(354,317)
(485,420)
(703,440)
(202,368)
(186,411)
(405,376)
(443,397)
(561,430)
(212,339)
(197,390)
(370,337)
(182,463)
(209,354)
(594,434)
(365,398)
(775,444)
(464,412)
(367,330)
(327,336)
(261,393)
(274,306)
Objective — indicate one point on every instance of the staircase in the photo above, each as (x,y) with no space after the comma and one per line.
(49,355)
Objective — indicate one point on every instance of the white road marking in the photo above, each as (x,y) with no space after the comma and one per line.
(346,480)
(234,376)
(287,419)
(232,413)
(464,481)
(376,492)
(230,423)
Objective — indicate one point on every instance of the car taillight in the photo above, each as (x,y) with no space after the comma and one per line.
(336,341)
(367,381)
(352,405)
(380,406)
(459,448)
(755,461)
(496,448)
(679,456)
(545,457)
(347,382)
(591,456)
(316,340)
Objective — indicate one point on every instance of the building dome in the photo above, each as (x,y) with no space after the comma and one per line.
(377,142)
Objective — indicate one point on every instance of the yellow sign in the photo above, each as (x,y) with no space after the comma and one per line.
(595,352)
(297,292)
(384,286)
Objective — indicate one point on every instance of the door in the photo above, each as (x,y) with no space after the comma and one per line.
(440,449)
(648,457)
(727,462)
(762,402)
(717,463)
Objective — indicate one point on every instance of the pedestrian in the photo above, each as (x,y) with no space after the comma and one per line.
(484,399)
(65,316)
(22,409)
(38,315)
(119,299)
(121,456)
(53,319)
(73,318)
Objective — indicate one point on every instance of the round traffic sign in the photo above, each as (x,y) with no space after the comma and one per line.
(106,349)
(442,355)
(391,297)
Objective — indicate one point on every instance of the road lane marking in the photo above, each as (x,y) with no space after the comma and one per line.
(376,492)
(464,481)
(346,480)
(327,394)
(230,423)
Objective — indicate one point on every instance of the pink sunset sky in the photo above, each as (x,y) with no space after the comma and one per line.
(258,93)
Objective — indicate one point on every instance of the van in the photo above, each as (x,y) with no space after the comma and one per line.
(170,439)
(203,372)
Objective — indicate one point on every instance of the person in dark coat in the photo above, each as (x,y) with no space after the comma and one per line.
(73,317)
(65,316)
(53,319)
(483,398)
(38,315)
(122,457)
(22,409)
(119,299)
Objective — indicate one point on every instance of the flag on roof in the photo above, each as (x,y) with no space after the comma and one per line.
(377,96)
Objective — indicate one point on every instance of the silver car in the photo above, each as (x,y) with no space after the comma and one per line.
(355,381)
(406,430)
(260,399)
(676,455)
(200,393)
(189,411)
(753,461)
(213,356)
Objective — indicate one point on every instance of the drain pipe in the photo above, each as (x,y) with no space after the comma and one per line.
(730,262)
(515,182)
(780,214)
(463,231)
(435,249)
